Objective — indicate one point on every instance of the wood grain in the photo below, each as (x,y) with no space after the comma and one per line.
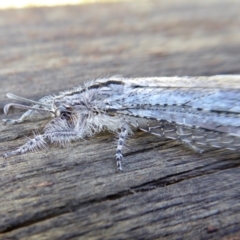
(166,191)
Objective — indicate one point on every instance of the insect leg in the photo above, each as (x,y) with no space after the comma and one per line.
(63,137)
(37,142)
(40,141)
(122,136)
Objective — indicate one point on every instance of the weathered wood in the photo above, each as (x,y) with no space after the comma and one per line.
(166,190)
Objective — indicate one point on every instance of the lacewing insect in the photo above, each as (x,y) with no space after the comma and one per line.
(198,111)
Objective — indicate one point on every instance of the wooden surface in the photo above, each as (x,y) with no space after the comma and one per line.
(166,191)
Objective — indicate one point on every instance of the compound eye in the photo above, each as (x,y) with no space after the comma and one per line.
(62,113)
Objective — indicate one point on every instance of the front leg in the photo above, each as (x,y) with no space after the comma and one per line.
(38,142)
(41,141)
(121,139)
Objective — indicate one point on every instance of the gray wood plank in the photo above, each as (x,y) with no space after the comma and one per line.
(166,191)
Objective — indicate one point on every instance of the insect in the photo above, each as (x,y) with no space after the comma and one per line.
(198,111)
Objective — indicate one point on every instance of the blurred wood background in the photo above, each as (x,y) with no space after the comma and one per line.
(166,191)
